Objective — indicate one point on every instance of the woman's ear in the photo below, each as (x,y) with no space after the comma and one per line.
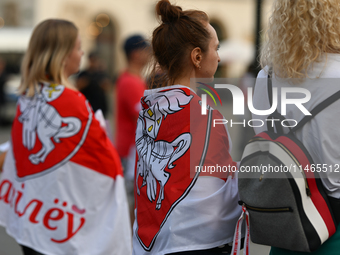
(196,57)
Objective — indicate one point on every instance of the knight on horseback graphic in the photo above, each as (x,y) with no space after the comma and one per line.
(155,155)
(41,120)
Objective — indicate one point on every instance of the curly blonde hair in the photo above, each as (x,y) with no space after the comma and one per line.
(300,32)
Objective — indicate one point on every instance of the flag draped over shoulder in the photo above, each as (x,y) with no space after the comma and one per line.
(179,205)
(62,189)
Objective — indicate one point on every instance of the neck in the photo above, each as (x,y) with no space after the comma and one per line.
(135,69)
(185,80)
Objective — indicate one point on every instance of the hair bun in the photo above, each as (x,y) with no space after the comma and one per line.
(168,13)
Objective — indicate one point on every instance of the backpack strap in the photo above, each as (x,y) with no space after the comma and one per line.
(275,114)
(270,86)
(316,110)
(328,101)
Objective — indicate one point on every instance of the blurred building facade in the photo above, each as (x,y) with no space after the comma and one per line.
(104,24)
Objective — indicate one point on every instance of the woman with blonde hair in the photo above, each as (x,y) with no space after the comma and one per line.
(303,51)
(54,53)
(61,189)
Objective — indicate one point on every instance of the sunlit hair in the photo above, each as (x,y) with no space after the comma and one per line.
(173,40)
(51,42)
(300,33)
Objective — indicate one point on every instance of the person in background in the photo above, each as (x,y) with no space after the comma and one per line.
(62,187)
(3,80)
(180,207)
(130,87)
(94,84)
(2,159)
(303,51)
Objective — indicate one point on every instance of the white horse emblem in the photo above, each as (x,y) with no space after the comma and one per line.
(155,156)
(42,120)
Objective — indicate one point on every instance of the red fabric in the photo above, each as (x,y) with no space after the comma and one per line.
(130,89)
(62,190)
(90,154)
(187,121)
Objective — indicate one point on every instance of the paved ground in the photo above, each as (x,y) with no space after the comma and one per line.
(8,246)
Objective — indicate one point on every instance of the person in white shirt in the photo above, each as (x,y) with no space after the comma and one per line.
(303,51)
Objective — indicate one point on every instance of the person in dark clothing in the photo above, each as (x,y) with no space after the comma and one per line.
(3,79)
(93,83)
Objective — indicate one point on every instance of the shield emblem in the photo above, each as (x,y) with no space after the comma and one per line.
(46,133)
(164,178)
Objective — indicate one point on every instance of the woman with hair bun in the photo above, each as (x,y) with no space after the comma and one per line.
(181,208)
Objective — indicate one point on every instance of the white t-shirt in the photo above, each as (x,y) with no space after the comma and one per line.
(321,135)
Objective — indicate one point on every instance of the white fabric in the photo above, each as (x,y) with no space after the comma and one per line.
(238,234)
(321,135)
(180,231)
(4,146)
(100,117)
(204,219)
(105,230)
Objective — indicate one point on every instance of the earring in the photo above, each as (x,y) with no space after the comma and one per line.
(198,66)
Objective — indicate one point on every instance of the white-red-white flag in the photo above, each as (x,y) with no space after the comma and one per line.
(180,206)
(62,188)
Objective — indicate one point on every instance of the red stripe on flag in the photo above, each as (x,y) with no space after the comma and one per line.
(317,198)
